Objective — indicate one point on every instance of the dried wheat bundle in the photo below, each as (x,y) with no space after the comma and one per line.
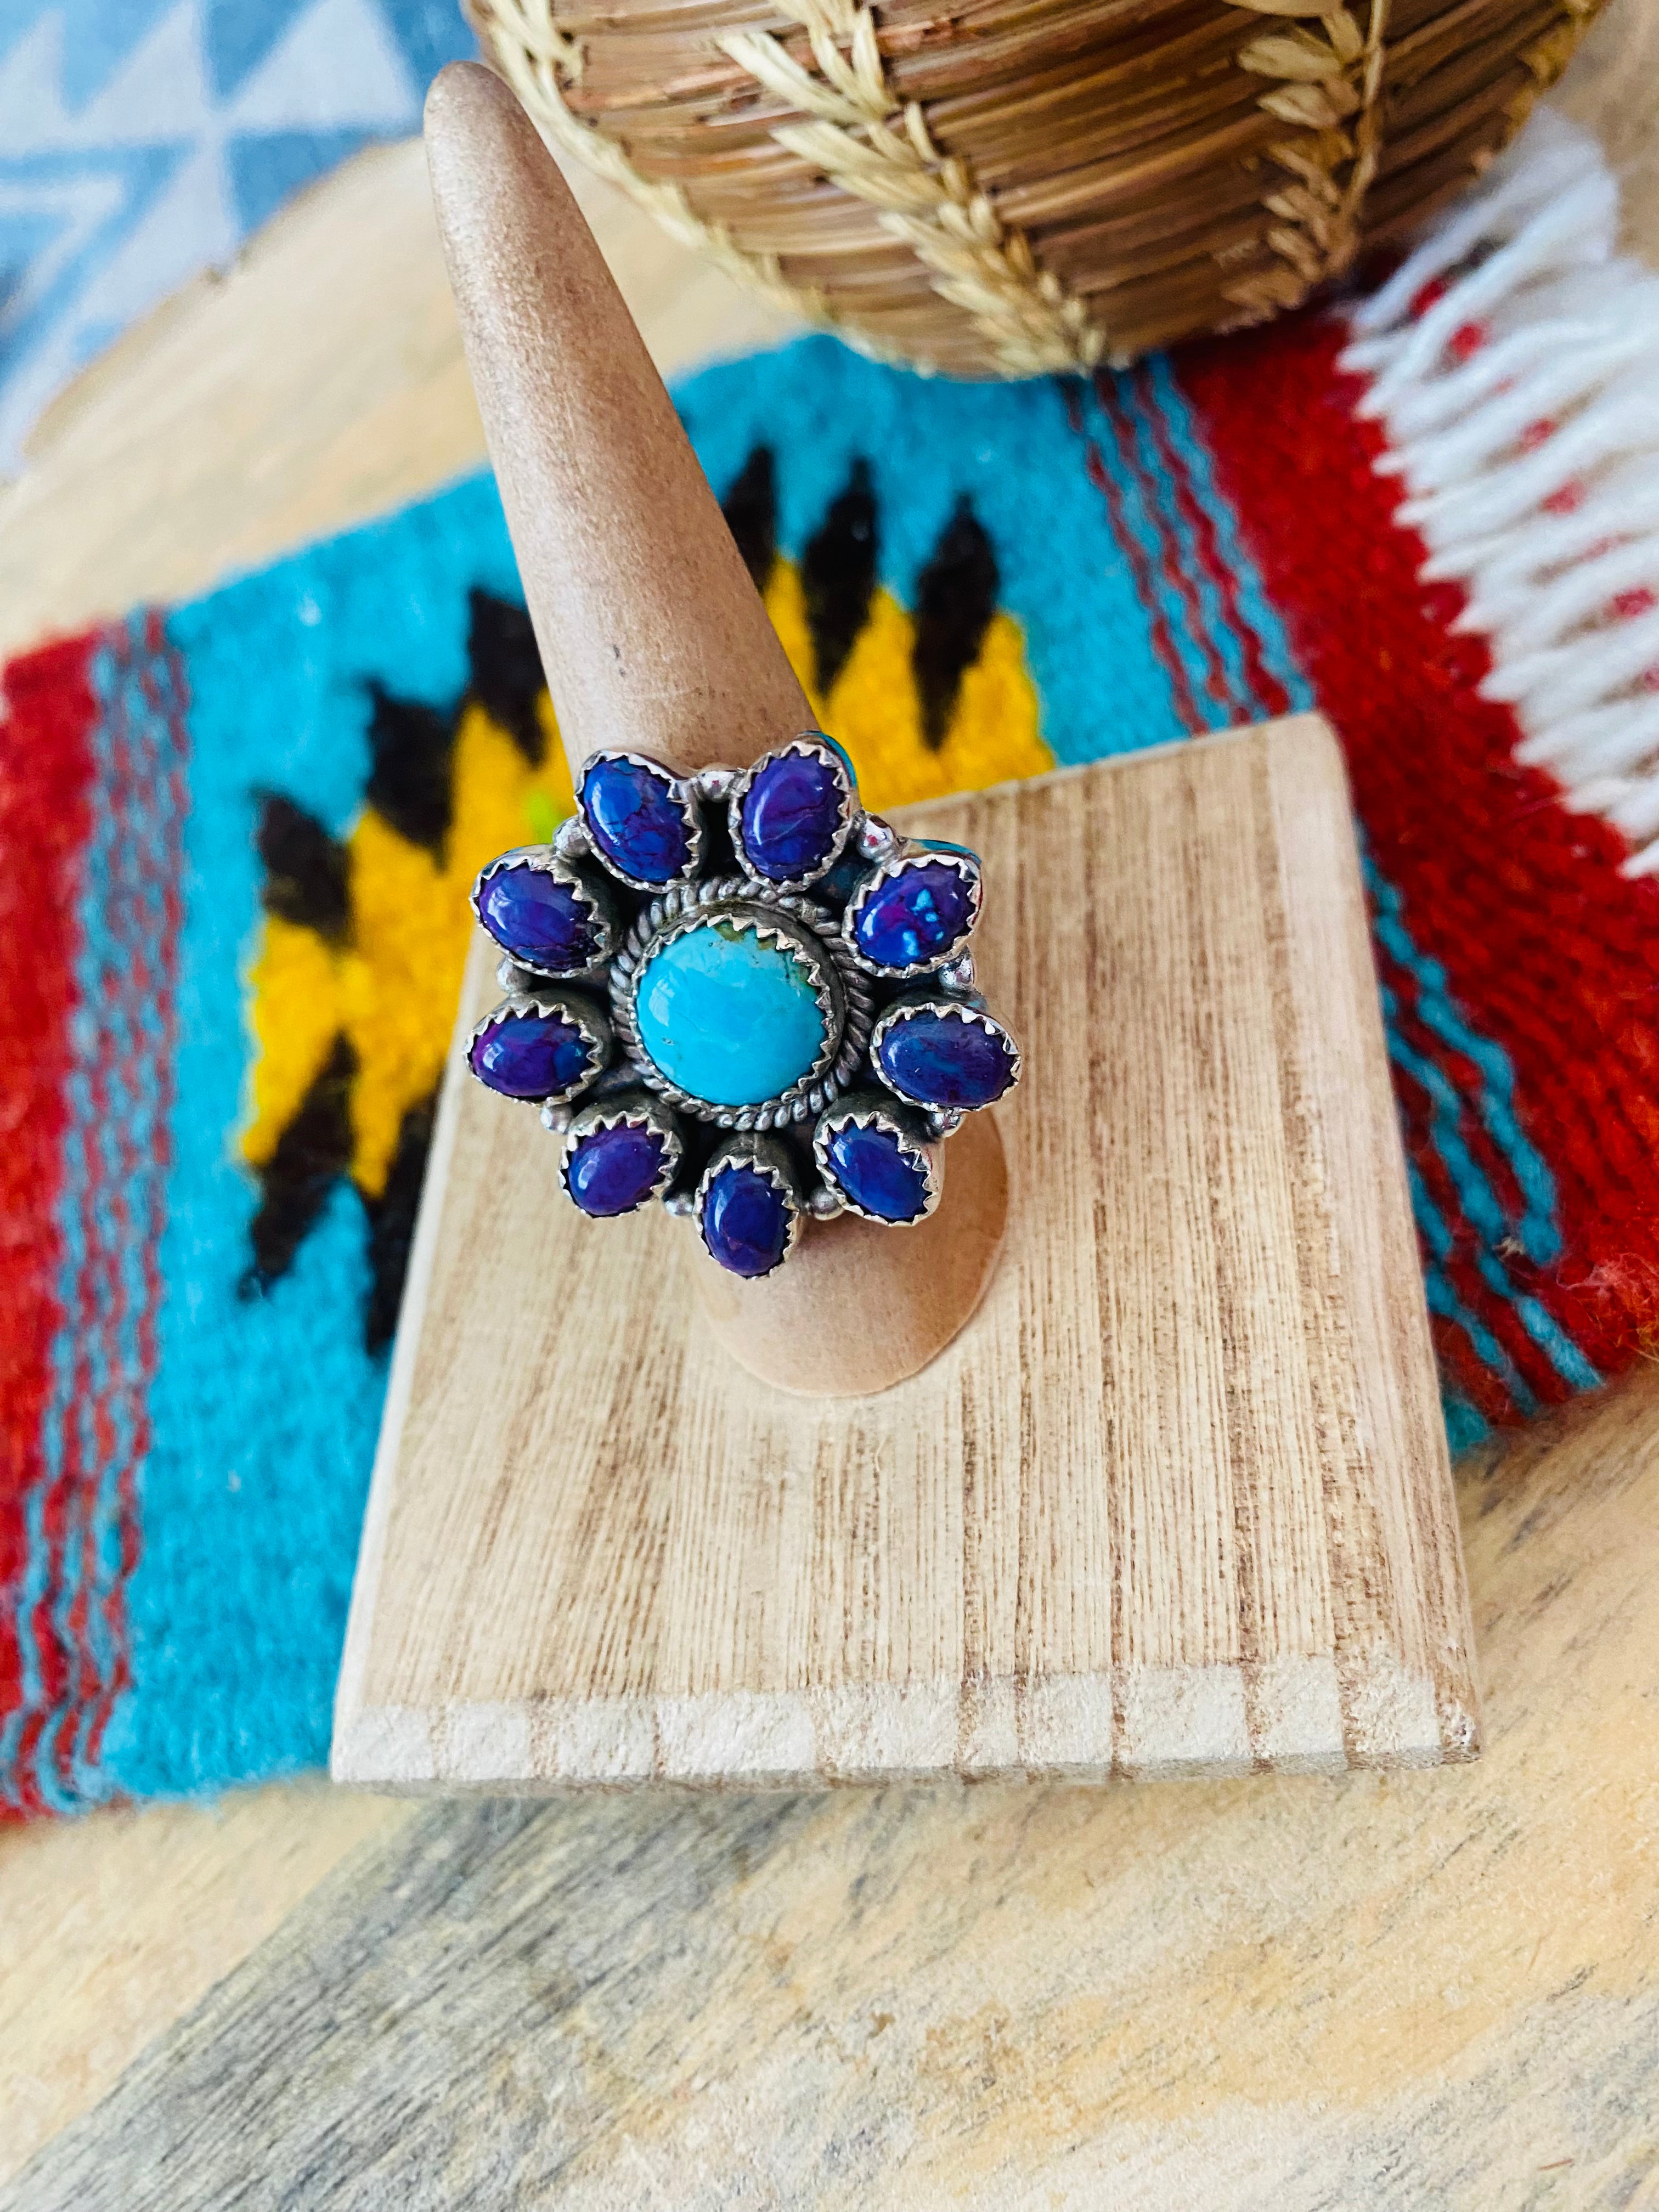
(1011,186)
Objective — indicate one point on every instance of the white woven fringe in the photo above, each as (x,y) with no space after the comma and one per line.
(1514,364)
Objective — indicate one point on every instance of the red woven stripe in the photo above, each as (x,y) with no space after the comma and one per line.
(1155,485)
(1267,696)
(89,1442)
(1550,950)
(45,772)
(1164,644)
(157,977)
(1463,1370)
(1478,1298)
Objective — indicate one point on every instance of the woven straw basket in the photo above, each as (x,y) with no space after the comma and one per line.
(1005,187)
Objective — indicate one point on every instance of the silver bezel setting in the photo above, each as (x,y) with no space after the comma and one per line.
(581,1013)
(909,857)
(767,1156)
(946,1005)
(681,789)
(547,860)
(868,1110)
(813,744)
(842,993)
(637,1110)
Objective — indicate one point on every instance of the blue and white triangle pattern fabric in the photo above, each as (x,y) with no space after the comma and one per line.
(142,140)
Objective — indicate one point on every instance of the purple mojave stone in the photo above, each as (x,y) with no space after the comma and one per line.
(876,1172)
(611,1171)
(635,820)
(531,1056)
(540,919)
(920,914)
(790,815)
(940,1058)
(744,1221)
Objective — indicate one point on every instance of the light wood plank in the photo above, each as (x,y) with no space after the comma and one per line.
(1280,1994)
(1175,1502)
(113,1926)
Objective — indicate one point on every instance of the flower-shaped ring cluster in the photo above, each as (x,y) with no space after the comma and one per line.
(738,993)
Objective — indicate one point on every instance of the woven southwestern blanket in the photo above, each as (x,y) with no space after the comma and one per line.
(236,839)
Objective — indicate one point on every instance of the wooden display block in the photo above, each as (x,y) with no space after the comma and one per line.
(1175,1502)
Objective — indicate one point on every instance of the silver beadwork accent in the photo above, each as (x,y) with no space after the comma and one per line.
(877,838)
(570,839)
(714,783)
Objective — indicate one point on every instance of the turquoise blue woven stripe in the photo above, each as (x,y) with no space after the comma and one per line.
(1256,609)
(1535,1228)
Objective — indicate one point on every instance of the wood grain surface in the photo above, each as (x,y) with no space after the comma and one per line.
(1361,2008)
(1177,1500)
(112,1925)
(1381,1993)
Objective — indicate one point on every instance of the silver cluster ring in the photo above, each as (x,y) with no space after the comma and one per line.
(812,1034)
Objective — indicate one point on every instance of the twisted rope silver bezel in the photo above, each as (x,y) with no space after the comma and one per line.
(842,988)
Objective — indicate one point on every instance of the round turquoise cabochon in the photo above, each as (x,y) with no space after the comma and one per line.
(731,1018)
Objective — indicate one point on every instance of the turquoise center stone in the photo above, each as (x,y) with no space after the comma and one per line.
(730,1019)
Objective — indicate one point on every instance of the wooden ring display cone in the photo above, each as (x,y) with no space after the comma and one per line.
(654,637)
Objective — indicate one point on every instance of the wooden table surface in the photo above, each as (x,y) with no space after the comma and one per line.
(1431,1988)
